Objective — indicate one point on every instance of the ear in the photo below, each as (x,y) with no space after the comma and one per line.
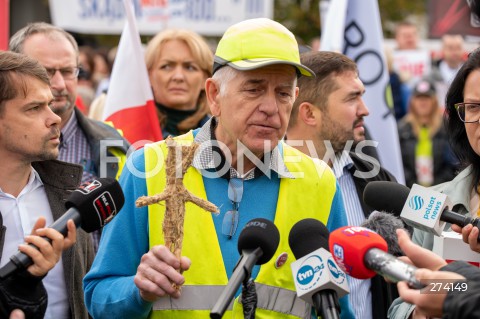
(309,114)
(212,91)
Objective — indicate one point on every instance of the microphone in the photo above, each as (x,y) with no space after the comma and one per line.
(257,244)
(90,206)
(385,225)
(361,253)
(420,207)
(318,280)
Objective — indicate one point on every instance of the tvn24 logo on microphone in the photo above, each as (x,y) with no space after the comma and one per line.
(310,272)
(317,271)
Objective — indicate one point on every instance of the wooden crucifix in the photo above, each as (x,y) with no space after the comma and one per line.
(176,195)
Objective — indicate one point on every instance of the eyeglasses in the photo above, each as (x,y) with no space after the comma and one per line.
(235,194)
(468,112)
(67,73)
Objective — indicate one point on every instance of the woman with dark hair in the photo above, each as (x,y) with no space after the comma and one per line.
(462,120)
(463,100)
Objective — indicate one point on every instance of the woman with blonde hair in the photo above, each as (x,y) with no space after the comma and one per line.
(178,63)
(426,154)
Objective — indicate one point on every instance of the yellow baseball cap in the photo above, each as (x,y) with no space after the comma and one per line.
(255,43)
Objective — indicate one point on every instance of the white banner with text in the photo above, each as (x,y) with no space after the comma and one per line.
(206,17)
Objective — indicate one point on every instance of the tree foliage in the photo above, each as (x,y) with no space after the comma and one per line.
(302,17)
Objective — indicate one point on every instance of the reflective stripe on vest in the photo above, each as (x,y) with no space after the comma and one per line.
(205,297)
(298,199)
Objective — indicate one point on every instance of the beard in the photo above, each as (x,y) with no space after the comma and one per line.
(33,151)
(59,108)
(333,131)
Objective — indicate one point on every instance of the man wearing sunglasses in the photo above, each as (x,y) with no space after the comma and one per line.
(244,168)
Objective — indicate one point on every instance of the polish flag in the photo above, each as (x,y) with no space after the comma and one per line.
(129,104)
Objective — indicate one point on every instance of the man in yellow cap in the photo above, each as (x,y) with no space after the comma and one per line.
(245,169)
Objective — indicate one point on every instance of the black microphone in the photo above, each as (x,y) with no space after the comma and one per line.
(391,197)
(257,244)
(306,238)
(90,206)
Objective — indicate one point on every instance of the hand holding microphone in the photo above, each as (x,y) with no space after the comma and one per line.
(470,235)
(90,206)
(428,304)
(45,254)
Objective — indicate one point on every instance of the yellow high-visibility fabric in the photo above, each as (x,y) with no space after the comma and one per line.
(298,199)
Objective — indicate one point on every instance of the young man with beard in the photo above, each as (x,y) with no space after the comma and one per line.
(82,139)
(34,186)
(327,120)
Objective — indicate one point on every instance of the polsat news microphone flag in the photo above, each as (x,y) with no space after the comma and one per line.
(353,28)
(129,104)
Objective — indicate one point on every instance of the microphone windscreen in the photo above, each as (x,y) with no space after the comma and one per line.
(386,196)
(97,202)
(350,244)
(385,225)
(259,232)
(306,236)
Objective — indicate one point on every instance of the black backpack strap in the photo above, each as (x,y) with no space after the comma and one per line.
(3,230)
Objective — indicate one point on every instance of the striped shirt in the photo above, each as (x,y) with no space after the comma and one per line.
(74,148)
(360,294)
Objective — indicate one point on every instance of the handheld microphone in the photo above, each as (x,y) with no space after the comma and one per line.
(257,244)
(420,207)
(385,225)
(317,278)
(361,253)
(90,206)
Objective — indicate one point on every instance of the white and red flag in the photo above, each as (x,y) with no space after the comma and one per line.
(129,104)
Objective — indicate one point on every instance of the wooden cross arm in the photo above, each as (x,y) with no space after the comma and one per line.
(149,200)
(205,204)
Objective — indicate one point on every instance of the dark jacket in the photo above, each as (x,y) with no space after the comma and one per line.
(25,292)
(463,304)
(96,132)
(383,293)
(21,291)
(444,162)
(60,179)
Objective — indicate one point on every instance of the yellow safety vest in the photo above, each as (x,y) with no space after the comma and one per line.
(298,199)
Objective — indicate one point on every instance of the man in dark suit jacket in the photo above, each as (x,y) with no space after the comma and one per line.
(327,123)
(96,146)
(33,184)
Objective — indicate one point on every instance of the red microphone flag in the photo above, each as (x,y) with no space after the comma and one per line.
(349,245)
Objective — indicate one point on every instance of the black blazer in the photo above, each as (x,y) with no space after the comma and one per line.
(383,293)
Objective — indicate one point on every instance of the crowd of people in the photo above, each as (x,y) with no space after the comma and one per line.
(252,104)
